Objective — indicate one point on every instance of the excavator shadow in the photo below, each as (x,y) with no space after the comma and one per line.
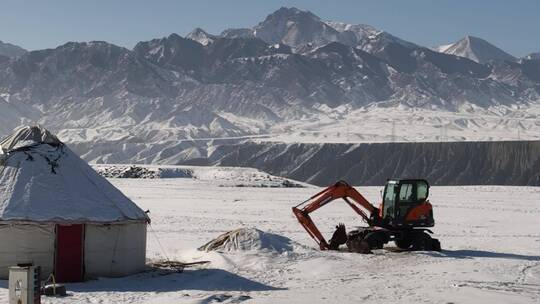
(386,249)
(471,254)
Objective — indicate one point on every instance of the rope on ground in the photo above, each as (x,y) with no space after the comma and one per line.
(159,243)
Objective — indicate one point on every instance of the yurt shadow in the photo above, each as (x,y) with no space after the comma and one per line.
(198,279)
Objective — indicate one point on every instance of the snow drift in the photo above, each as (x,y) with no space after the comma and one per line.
(243,239)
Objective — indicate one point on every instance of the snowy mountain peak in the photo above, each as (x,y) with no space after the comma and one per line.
(237,33)
(10,50)
(342,27)
(303,31)
(288,12)
(476,49)
(295,27)
(201,36)
(442,48)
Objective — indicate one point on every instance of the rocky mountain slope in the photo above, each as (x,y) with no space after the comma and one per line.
(9,50)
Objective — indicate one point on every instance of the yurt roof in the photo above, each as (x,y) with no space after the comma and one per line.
(42,180)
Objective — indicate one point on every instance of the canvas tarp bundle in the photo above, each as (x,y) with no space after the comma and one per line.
(28,136)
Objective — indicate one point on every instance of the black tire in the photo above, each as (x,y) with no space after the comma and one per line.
(358,246)
(435,245)
(404,243)
(367,240)
(373,240)
(377,239)
(422,241)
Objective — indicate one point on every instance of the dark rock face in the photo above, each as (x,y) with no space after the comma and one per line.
(457,163)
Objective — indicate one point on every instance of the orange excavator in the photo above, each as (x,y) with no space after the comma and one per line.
(403,217)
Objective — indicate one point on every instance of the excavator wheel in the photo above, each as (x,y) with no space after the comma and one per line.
(355,241)
(404,239)
(359,246)
(404,243)
(422,241)
(364,244)
(418,240)
(435,245)
(377,239)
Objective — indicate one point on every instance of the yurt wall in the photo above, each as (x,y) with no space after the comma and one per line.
(26,243)
(114,250)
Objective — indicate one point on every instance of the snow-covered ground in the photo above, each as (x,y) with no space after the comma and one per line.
(343,124)
(490,236)
(156,143)
(378,124)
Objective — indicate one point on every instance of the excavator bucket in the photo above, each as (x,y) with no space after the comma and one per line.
(338,238)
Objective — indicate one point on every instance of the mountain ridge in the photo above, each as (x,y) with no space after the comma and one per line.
(533,56)
(11,50)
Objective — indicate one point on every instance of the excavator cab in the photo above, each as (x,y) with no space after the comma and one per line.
(405,203)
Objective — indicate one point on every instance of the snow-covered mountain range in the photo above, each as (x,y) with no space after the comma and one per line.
(280,77)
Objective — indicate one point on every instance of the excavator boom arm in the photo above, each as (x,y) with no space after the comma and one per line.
(339,190)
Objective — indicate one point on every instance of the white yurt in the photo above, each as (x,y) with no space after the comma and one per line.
(58,213)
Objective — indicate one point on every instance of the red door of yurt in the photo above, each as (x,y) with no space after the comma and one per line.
(69,253)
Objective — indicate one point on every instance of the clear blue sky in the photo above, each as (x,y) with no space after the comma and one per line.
(34,24)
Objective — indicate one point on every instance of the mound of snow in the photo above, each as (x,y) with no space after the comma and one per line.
(244,239)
